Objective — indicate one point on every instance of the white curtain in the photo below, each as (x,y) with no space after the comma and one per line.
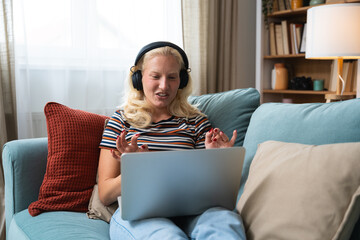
(195,17)
(79,52)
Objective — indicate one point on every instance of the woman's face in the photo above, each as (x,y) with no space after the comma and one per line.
(161,81)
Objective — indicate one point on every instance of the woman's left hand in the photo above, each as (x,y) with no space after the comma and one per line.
(218,139)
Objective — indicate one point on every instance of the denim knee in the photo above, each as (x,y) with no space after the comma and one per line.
(218,223)
(117,228)
(150,229)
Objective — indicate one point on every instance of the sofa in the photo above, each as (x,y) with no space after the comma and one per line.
(275,135)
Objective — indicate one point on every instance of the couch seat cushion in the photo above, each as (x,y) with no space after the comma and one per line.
(57,225)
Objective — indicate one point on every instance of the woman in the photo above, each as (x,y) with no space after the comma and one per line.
(157,117)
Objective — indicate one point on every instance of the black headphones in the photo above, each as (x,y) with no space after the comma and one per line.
(184,75)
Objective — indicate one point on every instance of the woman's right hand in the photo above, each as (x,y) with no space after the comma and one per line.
(218,139)
(122,145)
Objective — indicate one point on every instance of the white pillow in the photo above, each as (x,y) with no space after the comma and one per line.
(297,191)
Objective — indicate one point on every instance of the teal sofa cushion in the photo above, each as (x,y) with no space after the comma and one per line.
(229,110)
(316,123)
(57,225)
(24,163)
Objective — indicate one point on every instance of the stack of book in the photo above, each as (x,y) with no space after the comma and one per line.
(286,38)
(281,5)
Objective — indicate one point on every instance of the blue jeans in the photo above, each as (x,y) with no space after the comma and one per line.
(215,223)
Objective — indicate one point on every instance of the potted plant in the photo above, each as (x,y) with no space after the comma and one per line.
(267,6)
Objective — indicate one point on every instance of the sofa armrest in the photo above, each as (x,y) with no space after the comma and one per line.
(24,163)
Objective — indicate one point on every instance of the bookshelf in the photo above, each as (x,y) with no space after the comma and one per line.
(296,63)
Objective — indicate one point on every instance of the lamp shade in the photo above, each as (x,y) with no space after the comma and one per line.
(333,31)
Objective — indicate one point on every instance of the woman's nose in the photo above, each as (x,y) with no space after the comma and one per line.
(163,84)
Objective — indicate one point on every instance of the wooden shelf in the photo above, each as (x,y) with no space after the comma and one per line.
(334,97)
(301,96)
(296,64)
(301,55)
(300,11)
(286,13)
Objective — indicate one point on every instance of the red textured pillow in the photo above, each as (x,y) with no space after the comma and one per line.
(73,155)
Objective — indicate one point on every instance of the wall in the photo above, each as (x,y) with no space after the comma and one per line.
(247,40)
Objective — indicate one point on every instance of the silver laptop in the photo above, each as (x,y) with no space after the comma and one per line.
(179,183)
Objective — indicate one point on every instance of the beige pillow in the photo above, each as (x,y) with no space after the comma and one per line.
(97,210)
(297,191)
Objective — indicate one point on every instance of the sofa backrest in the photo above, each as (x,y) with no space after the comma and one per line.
(229,110)
(24,163)
(314,123)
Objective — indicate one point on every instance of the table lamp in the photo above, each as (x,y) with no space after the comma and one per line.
(333,32)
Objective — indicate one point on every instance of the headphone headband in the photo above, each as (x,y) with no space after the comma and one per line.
(137,76)
(160,44)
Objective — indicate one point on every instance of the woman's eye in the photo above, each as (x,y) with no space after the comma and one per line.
(155,76)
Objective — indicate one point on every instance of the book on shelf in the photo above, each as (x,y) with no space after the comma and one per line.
(279,41)
(293,39)
(281,4)
(303,40)
(350,76)
(333,76)
(272,38)
(298,31)
(356,79)
(285,37)
(275,6)
(345,75)
(287,4)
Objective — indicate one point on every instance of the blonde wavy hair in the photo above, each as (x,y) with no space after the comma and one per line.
(137,110)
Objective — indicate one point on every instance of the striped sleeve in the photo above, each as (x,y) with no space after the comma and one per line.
(202,126)
(114,127)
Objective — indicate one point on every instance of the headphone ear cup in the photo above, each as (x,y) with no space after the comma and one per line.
(184,78)
(137,80)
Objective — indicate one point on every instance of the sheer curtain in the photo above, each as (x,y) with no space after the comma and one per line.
(195,17)
(79,52)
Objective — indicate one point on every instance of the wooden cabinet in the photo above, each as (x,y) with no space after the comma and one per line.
(296,64)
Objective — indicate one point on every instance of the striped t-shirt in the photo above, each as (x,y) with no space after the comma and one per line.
(175,133)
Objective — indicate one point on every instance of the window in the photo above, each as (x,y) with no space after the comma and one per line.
(79,52)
